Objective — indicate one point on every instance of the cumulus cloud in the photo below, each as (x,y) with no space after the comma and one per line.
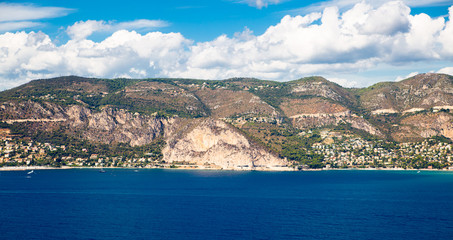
(446,36)
(323,44)
(83,29)
(331,43)
(124,53)
(19,16)
(389,19)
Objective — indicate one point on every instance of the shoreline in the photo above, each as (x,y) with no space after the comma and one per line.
(25,168)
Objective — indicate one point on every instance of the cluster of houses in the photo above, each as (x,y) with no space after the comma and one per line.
(22,152)
(30,153)
(359,153)
(347,153)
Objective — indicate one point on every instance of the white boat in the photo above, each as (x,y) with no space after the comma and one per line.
(32,171)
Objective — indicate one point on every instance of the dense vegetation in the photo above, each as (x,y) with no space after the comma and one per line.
(287,142)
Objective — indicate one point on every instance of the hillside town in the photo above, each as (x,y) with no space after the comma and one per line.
(15,153)
(358,153)
(351,153)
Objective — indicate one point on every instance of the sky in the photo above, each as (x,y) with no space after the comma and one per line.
(354,43)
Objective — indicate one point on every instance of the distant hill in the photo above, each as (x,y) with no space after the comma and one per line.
(250,122)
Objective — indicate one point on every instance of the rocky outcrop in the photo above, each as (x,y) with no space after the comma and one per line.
(12,110)
(421,91)
(318,88)
(309,121)
(318,112)
(213,142)
(425,125)
(110,125)
(115,125)
(226,103)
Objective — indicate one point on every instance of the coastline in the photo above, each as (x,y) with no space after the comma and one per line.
(25,168)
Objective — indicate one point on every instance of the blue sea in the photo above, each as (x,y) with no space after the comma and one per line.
(180,204)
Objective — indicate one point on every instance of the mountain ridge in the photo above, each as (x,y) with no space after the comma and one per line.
(262,119)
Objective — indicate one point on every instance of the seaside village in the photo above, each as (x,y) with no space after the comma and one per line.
(339,152)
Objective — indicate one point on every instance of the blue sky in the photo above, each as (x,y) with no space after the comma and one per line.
(351,42)
(200,20)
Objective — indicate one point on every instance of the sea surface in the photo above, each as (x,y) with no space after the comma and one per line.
(192,204)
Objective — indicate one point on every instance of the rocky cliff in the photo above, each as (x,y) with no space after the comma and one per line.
(421,92)
(203,142)
(214,143)
(108,125)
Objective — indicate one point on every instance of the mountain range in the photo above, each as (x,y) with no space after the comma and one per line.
(234,123)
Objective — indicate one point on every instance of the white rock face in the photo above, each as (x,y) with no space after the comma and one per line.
(213,142)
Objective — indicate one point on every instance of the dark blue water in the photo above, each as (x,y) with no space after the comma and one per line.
(177,204)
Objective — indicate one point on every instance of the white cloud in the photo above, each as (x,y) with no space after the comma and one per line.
(261,3)
(446,70)
(400,78)
(320,6)
(343,82)
(83,29)
(11,26)
(19,16)
(446,36)
(298,46)
(388,19)
(139,24)
(10,12)
(421,3)
(330,43)
(28,55)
